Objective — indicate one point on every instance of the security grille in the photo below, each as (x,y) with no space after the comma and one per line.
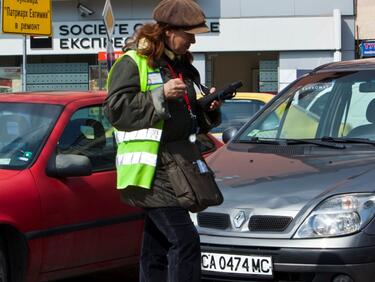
(264,223)
(213,220)
(57,77)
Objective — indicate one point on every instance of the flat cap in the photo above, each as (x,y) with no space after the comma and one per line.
(185,14)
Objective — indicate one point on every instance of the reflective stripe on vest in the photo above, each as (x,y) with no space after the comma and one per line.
(143,134)
(137,150)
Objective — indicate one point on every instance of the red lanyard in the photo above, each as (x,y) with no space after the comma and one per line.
(195,128)
(186,97)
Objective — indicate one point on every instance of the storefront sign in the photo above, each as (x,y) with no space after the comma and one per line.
(367,49)
(29,17)
(92,35)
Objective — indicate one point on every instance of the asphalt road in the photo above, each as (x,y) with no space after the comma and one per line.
(116,275)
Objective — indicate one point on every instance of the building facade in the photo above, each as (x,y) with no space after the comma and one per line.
(264,43)
(365,28)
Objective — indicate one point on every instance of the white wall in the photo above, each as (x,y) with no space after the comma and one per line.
(365,20)
(302,30)
(275,8)
(249,34)
(136,9)
(270,34)
(290,62)
(200,64)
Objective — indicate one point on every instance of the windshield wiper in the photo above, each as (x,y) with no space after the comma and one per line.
(314,142)
(284,142)
(348,140)
(258,140)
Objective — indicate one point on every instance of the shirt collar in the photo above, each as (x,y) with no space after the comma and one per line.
(169,54)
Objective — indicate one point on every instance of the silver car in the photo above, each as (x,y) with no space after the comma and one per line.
(299,185)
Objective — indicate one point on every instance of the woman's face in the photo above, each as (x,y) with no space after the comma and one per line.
(179,41)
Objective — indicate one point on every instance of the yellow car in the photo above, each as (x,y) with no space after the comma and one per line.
(237,111)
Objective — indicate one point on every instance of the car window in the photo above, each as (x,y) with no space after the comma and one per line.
(89,133)
(297,115)
(24,128)
(359,117)
(236,113)
(303,114)
(328,104)
(317,107)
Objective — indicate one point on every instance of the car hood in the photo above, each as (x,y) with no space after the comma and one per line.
(288,184)
(287,181)
(6,174)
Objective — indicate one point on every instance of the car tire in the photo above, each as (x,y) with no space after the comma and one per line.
(3,264)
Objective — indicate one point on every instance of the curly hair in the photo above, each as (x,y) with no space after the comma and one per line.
(150,42)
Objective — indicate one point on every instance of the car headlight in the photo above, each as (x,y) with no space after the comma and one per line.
(338,215)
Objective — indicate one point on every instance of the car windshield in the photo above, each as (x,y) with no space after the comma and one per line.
(319,106)
(24,128)
(236,113)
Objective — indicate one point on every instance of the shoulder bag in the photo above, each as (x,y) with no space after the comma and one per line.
(192,180)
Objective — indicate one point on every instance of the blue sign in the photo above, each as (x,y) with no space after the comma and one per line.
(367,49)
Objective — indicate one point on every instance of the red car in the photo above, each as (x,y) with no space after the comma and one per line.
(60,213)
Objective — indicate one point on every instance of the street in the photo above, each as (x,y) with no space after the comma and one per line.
(115,275)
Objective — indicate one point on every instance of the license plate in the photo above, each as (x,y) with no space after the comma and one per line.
(254,265)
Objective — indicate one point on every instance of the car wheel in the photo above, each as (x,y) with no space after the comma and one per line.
(3,264)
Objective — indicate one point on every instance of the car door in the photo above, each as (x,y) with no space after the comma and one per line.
(84,220)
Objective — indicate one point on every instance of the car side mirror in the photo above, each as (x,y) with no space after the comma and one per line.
(229,133)
(68,165)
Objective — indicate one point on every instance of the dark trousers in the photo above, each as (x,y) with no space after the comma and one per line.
(170,247)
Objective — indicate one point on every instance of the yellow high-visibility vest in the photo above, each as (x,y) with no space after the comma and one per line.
(137,150)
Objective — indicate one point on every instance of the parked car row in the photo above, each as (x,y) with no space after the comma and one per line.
(299,204)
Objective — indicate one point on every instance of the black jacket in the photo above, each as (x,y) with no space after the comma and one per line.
(129,109)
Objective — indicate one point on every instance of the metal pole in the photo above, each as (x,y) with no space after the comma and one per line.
(24,60)
(337,56)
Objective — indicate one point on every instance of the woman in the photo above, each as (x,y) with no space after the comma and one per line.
(152,103)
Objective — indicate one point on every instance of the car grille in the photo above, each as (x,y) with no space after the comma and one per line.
(257,223)
(213,220)
(269,223)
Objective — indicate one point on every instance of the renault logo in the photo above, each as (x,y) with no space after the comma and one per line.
(239,219)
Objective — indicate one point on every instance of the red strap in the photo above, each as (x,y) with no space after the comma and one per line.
(174,75)
(186,98)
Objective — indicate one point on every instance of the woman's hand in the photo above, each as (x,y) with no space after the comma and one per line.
(215,103)
(174,88)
